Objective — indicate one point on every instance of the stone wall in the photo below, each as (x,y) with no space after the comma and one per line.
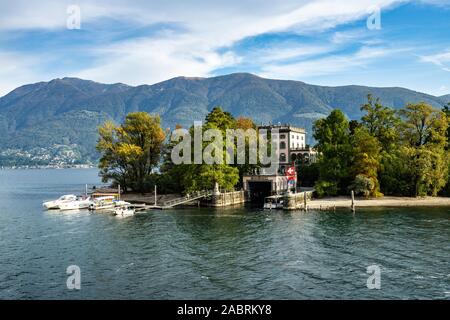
(227,199)
(293,201)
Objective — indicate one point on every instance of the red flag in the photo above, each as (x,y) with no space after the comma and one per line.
(290,171)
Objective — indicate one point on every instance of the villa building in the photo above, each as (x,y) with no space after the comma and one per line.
(292,146)
(292,150)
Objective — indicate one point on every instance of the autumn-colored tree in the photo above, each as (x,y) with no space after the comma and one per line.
(130,151)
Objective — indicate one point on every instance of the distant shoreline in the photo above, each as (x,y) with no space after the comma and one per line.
(80,166)
(387,201)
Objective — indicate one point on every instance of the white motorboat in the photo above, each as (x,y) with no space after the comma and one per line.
(55,204)
(79,203)
(119,203)
(273,202)
(124,211)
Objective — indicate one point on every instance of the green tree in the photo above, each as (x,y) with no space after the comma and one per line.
(168,179)
(446,111)
(195,177)
(244,124)
(424,134)
(380,121)
(220,119)
(131,151)
(394,173)
(204,176)
(333,144)
(365,163)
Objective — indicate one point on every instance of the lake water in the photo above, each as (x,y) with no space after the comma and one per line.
(213,254)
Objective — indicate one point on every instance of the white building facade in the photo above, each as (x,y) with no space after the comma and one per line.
(292,147)
(292,150)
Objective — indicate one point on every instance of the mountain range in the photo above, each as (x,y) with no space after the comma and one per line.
(56,122)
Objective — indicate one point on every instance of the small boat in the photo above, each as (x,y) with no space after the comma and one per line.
(119,203)
(102,203)
(55,204)
(273,202)
(124,211)
(79,203)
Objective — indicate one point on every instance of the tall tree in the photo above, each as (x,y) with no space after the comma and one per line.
(194,177)
(424,133)
(244,124)
(446,111)
(131,151)
(380,121)
(333,144)
(365,163)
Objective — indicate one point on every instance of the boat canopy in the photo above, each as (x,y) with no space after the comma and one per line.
(105,198)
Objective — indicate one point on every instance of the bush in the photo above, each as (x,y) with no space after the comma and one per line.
(363,185)
(326,188)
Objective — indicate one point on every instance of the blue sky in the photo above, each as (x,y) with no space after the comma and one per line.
(321,42)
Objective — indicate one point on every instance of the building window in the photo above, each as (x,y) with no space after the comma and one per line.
(282,136)
(282,145)
(293,157)
(282,157)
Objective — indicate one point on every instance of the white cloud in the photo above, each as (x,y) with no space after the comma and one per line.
(441,60)
(149,61)
(212,26)
(18,69)
(329,64)
(439,3)
(209,26)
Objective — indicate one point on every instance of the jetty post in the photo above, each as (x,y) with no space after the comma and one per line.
(155,194)
(118,191)
(353,201)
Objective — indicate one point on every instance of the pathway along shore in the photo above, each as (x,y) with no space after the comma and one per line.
(345,202)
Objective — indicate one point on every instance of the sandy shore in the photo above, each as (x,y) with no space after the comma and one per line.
(345,202)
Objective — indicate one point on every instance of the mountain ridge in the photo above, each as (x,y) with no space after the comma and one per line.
(44,114)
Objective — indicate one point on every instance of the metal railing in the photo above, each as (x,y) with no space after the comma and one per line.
(187,198)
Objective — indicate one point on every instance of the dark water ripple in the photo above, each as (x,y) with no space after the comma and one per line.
(214,254)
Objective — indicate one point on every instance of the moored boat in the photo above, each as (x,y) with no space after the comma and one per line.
(124,211)
(102,203)
(79,203)
(55,204)
(273,202)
